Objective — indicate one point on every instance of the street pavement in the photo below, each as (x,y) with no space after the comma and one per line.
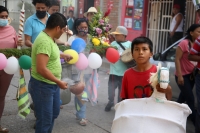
(99,120)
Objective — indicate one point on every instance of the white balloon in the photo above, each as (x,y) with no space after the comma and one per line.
(12,65)
(95,60)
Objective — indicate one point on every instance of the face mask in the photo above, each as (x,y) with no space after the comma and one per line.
(3,22)
(83,32)
(41,14)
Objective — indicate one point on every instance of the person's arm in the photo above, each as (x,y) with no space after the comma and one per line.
(179,54)
(28,32)
(124,88)
(194,57)
(41,63)
(28,42)
(179,18)
(66,57)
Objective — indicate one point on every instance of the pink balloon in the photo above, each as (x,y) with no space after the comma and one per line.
(3,61)
(82,62)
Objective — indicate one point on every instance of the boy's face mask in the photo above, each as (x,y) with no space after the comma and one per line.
(3,22)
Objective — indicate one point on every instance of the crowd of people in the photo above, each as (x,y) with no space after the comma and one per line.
(42,31)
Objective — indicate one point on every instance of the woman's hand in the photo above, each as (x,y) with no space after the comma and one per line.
(180,80)
(20,42)
(69,32)
(66,57)
(167,91)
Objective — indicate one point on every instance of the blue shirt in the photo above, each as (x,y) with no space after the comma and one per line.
(33,26)
(119,67)
(70,23)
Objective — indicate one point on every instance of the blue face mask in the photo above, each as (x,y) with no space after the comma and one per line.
(3,22)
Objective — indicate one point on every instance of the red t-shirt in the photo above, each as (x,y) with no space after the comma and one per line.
(136,84)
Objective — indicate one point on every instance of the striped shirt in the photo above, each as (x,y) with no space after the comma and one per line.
(195,50)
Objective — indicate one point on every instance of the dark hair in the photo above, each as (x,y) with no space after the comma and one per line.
(54,3)
(46,2)
(192,28)
(77,22)
(3,9)
(56,19)
(140,40)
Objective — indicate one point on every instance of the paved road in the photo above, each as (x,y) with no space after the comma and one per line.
(99,120)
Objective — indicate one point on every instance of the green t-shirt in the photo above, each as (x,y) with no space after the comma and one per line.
(45,45)
(119,67)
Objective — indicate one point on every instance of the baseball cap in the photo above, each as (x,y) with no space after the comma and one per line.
(121,30)
(177,6)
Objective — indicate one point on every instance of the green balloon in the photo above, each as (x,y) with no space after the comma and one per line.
(25,62)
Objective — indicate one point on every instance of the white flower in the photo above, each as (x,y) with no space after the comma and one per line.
(106,19)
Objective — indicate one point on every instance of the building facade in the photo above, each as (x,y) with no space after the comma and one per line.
(149,18)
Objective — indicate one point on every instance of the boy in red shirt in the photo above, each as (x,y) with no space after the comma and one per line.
(135,83)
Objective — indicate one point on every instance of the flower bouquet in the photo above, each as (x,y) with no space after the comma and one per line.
(99,29)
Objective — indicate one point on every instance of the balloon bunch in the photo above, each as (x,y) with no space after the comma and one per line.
(94,60)
(12,64)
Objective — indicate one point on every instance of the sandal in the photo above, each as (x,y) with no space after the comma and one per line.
(61,107)
(3,130)
(83,122)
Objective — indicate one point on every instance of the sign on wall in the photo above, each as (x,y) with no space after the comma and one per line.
(129,14)
(138,14)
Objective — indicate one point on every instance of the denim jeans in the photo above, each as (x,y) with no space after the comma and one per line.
(197,82)
(80,101)
(113,83)
(186,94)
(46,99)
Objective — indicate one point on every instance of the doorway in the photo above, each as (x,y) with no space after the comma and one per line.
(88,4)
(160,17)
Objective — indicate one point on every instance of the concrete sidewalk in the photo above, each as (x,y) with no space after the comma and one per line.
(99,120)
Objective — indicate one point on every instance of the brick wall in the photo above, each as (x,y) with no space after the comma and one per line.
(115,14)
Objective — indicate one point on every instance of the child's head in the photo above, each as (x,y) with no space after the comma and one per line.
(120,33)
(142,49)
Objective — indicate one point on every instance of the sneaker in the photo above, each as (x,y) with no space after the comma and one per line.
(32,106)
(83,122)
(109,106)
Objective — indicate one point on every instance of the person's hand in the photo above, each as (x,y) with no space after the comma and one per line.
(69,32)
(20,42)
(180,80)
(167,91)
(171,34)
(66,44)
(62,85)
(67,57)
